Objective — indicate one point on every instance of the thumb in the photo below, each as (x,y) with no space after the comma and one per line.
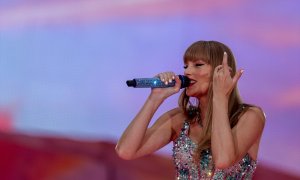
(177,84)
(238,75)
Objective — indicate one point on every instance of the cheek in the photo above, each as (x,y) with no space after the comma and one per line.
(206,81)
(206,76)
(205,86)
(207,73)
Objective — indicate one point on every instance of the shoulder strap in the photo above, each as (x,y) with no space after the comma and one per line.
(186,127)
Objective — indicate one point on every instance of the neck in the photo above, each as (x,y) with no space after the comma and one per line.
(203,107)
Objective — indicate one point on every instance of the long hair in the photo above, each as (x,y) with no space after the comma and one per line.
(212,53)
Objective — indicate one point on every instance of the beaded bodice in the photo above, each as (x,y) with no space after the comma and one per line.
(186,167)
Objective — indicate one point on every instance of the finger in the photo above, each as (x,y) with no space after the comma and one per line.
(164,78)
(225,63)
(171,76)
(161,76)
(237,76)
(178,82)
(217,69)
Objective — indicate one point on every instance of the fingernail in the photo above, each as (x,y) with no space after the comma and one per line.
(170,80)
(225,52)
(173,77)
(242,71)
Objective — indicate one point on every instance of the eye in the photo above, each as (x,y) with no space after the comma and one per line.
(185,66)
(199,64)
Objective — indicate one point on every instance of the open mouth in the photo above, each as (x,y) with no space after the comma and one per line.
(192,82)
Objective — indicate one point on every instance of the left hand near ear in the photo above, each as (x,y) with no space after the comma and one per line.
(223,83)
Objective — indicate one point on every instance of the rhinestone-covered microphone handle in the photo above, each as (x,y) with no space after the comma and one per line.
(156,82)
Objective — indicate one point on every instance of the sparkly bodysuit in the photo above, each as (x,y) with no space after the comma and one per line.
(186,169)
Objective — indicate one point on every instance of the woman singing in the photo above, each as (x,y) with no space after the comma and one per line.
(215,134)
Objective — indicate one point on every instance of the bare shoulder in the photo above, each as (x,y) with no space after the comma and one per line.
(249,129)
(177,118)
(173,112)
(253,116)
(254,113)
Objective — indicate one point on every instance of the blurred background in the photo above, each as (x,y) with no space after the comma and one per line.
(64,64)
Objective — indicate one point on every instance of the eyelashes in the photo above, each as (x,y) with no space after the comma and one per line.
(197,65)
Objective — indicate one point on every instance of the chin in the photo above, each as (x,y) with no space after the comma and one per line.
(196,94)
(190,93)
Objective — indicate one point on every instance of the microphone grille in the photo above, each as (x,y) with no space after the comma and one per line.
(185,81)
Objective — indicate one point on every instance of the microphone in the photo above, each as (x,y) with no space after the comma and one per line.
(156,82)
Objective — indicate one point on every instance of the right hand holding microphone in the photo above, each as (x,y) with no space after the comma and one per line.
(167,77)
(163,85)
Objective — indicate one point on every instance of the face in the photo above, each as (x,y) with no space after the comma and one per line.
(199,72)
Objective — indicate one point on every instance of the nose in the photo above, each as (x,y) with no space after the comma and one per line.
(187,71)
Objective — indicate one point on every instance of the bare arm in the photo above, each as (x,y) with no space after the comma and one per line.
(230,145)
(139,140)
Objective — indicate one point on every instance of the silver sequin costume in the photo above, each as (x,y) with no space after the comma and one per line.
(186,169)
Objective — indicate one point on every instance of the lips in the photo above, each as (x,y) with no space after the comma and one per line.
(192,82)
